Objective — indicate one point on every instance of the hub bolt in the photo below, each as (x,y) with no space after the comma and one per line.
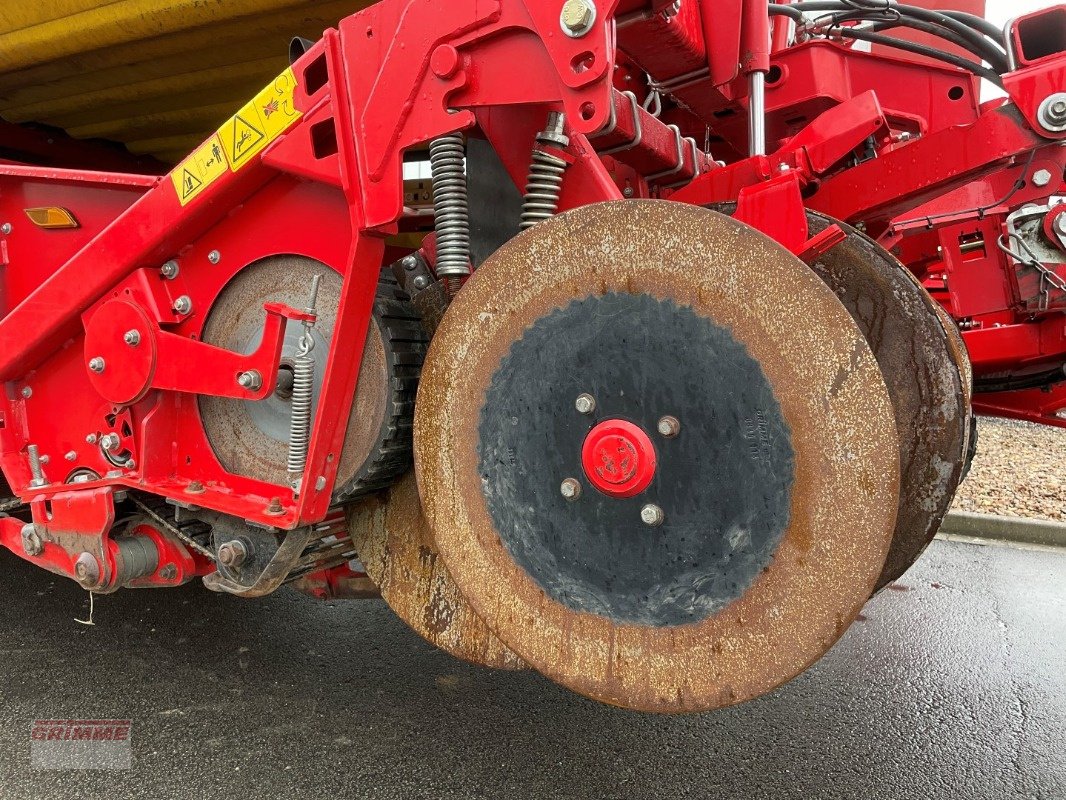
(110,442)
(214,256)
(669,427)
(652,515)
(233,554)
(183,305)
(170,270)
(96,365)
(87,570)
(577,17)
(132,338)
(570,489)
(250,380)
(585,403)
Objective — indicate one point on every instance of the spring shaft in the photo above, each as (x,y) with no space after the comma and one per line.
(450,206)
(546,170)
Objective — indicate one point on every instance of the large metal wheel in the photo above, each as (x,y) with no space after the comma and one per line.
(927,373)
(657,455)
(396,547)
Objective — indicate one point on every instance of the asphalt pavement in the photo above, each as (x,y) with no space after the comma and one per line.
(952,685)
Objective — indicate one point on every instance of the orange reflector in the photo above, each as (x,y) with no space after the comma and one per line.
(51,217)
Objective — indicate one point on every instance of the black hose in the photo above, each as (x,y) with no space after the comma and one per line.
(928,27)
(989,51)
(922,50)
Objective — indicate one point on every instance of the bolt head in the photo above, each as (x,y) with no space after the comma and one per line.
(5,228)
(1052,112)
(96,365)
(91,438)
(652,515)
(232,554)
(31,540)
(570,489)
(132,338)
(628,191)
(409,263)
(669,427)
(72,455)
(1041,177)
(87,569)
(250,380)
(170,270)
(183,305)
(110,442)
(27,392)
(577,17)
(214,256)
(585,403)
(1060,223)
(420,282)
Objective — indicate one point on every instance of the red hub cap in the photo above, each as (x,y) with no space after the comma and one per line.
(619,458)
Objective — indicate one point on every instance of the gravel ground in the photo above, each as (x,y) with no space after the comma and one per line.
(1019,471)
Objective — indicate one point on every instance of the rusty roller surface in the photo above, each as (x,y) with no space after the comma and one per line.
(395,545)
(925,373)
(734,469)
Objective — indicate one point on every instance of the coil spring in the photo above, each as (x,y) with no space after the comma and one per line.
(543,188)
(451,207)
(303,384)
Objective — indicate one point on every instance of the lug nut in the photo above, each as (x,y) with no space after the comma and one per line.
(570,489)
(183,305)
(669,427)
(87,570)
(132,338)
(652,515)
(110,442)
(96,365)
(250,380)
(577,17)
(232,554)
(170,270)
(585,403)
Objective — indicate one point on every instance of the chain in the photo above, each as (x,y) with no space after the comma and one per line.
(174,529)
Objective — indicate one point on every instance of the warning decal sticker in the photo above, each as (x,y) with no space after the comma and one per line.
(260,122)
(240,138)
(199,170)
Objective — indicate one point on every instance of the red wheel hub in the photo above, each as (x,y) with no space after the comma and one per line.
(619,458)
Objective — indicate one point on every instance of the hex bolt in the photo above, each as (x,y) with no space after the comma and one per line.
(91,438)
(570,489)
(214,256)
(35,467)
(233,554)
(577,17)
(97,365)
(585,403)
(31,540)
(110,442)
(183,305)
(87,570)
(669,427)
(5,228)
(170,270)
(250,380)
(1041,177)
(132,338)
(27,392)
(652,515)
(71,455)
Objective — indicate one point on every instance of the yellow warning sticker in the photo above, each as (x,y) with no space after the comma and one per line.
(199,170)
(240,138)
(260,122)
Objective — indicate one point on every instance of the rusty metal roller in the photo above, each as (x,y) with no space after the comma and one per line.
(395,545)
(657,455)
